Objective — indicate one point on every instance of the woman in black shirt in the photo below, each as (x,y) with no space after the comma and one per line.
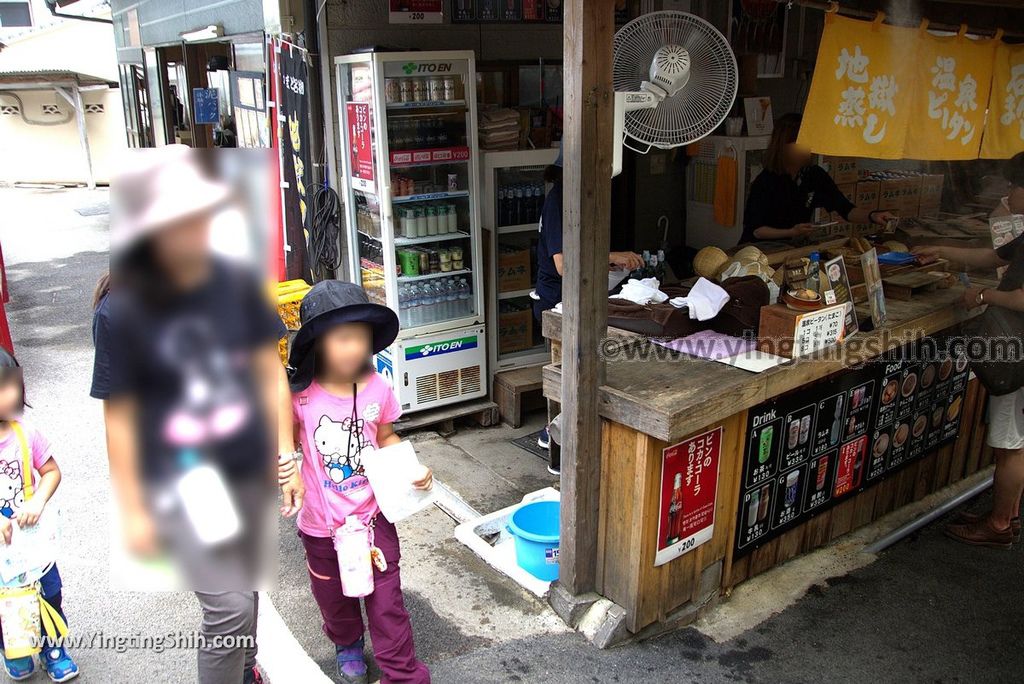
(784,196)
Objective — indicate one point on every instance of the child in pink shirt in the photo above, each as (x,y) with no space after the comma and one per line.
(343,410)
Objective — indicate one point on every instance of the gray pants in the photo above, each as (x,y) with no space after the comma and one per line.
(227,613)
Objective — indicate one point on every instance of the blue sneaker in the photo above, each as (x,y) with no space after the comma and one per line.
(59,665)
(351,665)
(20,668)
(544,439)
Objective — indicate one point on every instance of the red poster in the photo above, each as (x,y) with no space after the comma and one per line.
(360,137)
(689,489)
(850,469)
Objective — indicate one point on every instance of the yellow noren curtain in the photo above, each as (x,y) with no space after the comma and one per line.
(1004,129)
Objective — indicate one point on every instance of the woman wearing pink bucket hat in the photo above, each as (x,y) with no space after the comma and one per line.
(187,367)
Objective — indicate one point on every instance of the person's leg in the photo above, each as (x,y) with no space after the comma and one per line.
(226,613)
(343,622)
(390,627)
(1007,486)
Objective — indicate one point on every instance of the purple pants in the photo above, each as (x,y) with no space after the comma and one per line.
(390,629)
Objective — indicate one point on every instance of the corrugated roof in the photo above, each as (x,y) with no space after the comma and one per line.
(8,75)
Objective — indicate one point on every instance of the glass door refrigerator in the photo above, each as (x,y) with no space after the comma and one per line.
(409,164)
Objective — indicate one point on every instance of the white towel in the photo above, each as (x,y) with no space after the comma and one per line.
(704,300)
(642,291)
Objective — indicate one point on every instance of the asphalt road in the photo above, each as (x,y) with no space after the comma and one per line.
(926,611)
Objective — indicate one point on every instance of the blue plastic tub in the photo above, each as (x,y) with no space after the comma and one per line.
(534,526)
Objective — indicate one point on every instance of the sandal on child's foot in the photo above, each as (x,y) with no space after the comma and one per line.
(59,665)
(20,668)
(351,665)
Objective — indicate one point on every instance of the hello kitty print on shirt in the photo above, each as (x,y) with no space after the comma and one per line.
(340,445)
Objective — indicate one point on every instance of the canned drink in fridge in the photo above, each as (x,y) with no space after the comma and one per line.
(405,90)
(449,88)
(419,90)
(392,90)
(453,182)
(435,89)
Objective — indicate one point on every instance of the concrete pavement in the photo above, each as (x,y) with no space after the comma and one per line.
(926,611)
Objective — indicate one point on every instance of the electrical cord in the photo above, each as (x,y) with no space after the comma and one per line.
(324,249)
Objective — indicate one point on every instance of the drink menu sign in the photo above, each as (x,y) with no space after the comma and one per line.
(689,490)
(813,448)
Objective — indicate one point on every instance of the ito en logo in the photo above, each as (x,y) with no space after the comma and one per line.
(409,68)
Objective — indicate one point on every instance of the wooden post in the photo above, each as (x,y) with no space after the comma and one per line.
(589,27)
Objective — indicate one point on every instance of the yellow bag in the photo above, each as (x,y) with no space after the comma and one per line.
(22,608)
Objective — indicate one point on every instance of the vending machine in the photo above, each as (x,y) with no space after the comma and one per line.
(410,170)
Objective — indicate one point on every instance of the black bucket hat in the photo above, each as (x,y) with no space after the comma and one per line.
(327,304)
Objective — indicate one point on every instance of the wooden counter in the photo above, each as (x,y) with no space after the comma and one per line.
(648,405)
(669,399)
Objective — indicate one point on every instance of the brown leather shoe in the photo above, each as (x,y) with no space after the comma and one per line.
(981,533)
(967,517)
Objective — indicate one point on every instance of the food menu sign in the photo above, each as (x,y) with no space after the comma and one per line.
(811,449)
(689,490)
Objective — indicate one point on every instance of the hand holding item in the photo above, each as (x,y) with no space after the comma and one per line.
(880,217)
(424,479)
(627,261)
(802,229)
(29,512)
(6,529)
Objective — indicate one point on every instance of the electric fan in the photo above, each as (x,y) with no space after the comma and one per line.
(675,81)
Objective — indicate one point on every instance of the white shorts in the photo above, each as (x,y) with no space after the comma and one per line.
(1006,421)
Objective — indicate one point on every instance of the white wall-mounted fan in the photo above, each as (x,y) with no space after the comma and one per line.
(675,81)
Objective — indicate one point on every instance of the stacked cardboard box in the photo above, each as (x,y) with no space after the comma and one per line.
(842,169)
(931,194)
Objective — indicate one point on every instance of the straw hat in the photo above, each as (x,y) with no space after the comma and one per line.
(157,188)
(709,261)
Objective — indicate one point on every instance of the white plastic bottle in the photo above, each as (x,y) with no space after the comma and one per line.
(464,307)
(352,544)
(451,293)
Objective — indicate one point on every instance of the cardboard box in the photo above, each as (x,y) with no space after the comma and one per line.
(890,194)
(842,169)
(931,194)
(866,196)
(910,197)
(515,331)
(514,270)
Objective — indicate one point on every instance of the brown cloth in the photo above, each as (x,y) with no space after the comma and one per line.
(739,317)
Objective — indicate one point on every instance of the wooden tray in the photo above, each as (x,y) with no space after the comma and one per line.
(903,286)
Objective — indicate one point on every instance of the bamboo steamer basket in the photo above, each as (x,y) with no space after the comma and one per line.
(709,261)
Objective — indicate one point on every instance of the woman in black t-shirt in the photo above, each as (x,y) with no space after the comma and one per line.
(785,194)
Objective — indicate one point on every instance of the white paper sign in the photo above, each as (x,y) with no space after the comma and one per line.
(31,550)
(391,472)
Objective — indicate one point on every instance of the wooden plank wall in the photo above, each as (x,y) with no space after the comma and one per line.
(628,525)
(950,464)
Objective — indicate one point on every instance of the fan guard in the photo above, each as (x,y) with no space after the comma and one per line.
(695,110)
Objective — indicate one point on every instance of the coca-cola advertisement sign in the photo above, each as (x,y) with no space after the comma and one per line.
(689,489)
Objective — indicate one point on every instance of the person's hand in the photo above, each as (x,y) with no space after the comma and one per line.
(140,534)
(286,468)
(293,491)
(929,251)
(970,298)
(879,218)
(29,511)
(424,479)
(627,261)
(6,529)
(802,230)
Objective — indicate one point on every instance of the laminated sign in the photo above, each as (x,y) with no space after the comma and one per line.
(1004,130)
(859,103)
(948,104)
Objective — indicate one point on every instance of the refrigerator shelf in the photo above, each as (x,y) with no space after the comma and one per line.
(401,241)
(429,196)
(429,276)
(429,104)
(515,294)
(519,228)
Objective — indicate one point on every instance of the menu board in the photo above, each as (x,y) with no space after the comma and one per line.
(820,445)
